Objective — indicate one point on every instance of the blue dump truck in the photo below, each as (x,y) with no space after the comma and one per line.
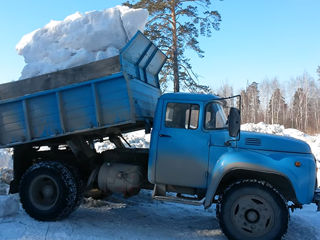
(197,155)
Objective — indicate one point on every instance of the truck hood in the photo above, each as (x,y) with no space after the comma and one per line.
(267,142)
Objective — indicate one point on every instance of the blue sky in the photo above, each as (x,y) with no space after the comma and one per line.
(258,39)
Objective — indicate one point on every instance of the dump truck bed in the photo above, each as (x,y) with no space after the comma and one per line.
(94,70)
(115,95)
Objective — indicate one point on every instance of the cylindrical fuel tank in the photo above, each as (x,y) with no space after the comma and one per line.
(120,178)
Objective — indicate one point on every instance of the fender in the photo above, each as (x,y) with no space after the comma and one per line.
(281,164)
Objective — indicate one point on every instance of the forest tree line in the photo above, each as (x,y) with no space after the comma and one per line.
(295,104)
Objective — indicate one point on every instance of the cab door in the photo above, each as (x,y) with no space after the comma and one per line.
(183,148)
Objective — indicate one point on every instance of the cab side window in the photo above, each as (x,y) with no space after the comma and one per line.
(182,115)
(214,119)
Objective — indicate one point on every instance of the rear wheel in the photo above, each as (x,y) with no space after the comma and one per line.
(48,191)
(253,210)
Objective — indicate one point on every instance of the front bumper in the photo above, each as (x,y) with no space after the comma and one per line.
(316,198)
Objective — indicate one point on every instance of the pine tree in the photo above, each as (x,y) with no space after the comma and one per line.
(250,104)
(318,71)
(176,25)
(298,108)
(253,102)
(277,108)
(244,107)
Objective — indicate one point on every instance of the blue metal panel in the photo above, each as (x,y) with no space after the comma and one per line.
(12,123)
(44,116)
(145,98)
(130,54)
(78,108)
(141,60)
(60,107)
(154,143)
(141,63)
(154,67)
(147,60)
(26,119)
(228,159)
(114,102)
(182,154)
(96,104)
(72,109)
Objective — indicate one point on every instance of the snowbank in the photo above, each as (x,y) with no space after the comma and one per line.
(5,158)
(79,39)
(136,139)
(9,205)
(6,172)
(6,175)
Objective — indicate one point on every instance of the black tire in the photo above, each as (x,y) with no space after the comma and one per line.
(48,191)
(252,210)
(80,185)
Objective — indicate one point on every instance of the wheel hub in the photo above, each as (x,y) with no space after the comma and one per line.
(44,192)
(48,191)
(252,215)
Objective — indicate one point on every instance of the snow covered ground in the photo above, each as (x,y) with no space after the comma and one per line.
(142,218)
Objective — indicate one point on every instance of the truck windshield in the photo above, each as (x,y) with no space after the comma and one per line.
(215,117)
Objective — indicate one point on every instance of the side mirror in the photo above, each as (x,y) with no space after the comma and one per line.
(234,122)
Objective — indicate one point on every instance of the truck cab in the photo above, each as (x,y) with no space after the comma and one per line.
(194,151)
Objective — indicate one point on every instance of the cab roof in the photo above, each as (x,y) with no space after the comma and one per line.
(189,97)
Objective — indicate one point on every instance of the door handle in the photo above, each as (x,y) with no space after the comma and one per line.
(164,135)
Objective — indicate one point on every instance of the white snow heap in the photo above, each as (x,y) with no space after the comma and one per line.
(6,159)
(137,139)
(9,205)
(79,39)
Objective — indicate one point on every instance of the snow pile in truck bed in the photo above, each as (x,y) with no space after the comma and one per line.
(79,39)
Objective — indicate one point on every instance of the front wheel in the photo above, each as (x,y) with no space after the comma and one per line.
(253,210)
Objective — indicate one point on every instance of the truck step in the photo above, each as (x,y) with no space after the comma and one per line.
(179,200)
